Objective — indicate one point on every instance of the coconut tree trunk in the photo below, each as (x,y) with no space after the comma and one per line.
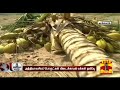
(84,53)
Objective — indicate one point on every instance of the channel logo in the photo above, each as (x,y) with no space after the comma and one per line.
(11,67)
(4,67)
(16,66)
(104,22)
(106,67)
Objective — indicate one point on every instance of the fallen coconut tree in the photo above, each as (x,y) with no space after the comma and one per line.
(81,51)
(84,53)
(86,43)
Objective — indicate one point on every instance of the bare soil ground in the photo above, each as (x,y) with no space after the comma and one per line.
(38,57)
(41,57)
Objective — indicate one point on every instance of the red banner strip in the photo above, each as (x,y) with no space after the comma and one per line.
(59,68)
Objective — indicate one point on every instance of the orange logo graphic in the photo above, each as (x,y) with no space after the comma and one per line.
(106,67)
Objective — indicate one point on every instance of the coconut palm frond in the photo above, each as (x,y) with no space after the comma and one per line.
(25,20)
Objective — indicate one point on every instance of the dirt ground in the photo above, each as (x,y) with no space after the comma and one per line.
(41,57)
(38,57)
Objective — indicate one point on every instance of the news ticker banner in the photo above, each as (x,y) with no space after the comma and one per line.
(105,67)
(19,67)
(59,68)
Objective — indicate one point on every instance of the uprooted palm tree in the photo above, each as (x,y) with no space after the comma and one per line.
(81,51)
(67,35)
